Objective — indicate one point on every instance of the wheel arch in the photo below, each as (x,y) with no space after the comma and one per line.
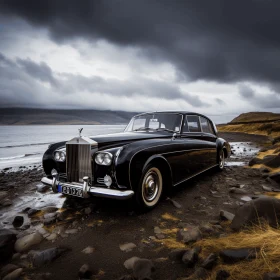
(157,161)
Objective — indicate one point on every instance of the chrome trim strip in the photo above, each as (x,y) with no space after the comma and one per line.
(161,154)
(95,191)
(195,175)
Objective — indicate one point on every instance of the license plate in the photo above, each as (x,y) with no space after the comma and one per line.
(70,190)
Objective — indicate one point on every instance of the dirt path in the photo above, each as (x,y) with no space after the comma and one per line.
(106,224)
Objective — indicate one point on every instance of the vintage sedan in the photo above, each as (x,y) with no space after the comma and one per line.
(155,152)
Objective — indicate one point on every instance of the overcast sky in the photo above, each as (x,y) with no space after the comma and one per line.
(213,57)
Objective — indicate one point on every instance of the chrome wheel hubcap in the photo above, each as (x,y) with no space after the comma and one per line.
(151,185)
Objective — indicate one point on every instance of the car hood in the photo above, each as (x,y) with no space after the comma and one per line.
(127,137)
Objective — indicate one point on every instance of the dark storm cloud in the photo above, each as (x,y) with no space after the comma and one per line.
(265,101)
(246,91)
(20,83)
(40,71)
(226,41)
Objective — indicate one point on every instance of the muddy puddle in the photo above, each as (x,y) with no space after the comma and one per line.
(242,153)
(23,203)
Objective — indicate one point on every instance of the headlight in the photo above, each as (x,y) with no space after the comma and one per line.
(103,158)
(59,156)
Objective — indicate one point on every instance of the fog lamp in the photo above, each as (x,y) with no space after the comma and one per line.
(108,181)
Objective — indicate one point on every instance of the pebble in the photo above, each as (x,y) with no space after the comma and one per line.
(51,237)
(26,242)
(88,250)
(129,263)
(8,268)
(225,215)
(85,272)
(42,188)
(18,221)
(14,275)
(71,231)
(127,247)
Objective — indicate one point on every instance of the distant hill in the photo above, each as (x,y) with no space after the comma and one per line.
(253,117)
(264,123)
(27,116)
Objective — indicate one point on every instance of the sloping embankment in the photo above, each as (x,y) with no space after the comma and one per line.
(262,123)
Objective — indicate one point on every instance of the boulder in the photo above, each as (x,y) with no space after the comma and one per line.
(189,234)
(18,221)
(85,272)
(222,275)
(237,191)
(7,241)
(272,161)
(190,257)
(26,242)
(254,161)
(236,255)
(143,269)
(199,273)
(46,256)
(210,261)
(275,177)
(271,276)
(5,270)
(126,277)
(227,216)
(14,275)
(177,254)
(276,140)
(267,208)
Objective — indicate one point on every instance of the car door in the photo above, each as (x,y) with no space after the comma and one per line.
(194,132)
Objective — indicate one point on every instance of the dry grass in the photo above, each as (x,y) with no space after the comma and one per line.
(252,128)
(169,217)
(265,238)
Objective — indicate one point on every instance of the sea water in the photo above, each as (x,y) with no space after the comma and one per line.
(24,145)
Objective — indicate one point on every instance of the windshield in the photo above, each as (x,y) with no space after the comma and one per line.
(155,122)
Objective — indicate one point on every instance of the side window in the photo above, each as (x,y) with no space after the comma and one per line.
(193,124)
(206,126)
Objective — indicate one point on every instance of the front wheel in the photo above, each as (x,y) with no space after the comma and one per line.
(149,189)
(221,159)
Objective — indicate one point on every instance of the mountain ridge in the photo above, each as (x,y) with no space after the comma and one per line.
(33,116)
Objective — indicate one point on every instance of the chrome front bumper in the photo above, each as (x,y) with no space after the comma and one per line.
(89,190)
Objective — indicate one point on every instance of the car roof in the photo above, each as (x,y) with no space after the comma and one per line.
(174,112)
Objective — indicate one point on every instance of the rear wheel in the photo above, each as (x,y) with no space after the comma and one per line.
(150,188)
(221,159)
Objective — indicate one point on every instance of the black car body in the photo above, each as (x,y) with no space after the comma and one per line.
(155,152)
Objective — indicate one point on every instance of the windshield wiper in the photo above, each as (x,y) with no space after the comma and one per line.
(143,128)
(164,129)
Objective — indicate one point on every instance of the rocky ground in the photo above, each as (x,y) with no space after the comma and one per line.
(49,236)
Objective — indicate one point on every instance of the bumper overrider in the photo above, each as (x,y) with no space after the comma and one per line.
(84,190)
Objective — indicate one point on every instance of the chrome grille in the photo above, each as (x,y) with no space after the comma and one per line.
(78,162)
(100,181)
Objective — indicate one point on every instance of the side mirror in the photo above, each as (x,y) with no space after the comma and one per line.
(174,136)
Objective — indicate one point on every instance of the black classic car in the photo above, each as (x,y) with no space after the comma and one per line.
(155,152)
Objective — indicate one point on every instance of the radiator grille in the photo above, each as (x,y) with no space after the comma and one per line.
(78,162)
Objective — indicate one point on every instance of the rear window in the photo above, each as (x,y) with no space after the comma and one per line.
(206,125)
(192,124)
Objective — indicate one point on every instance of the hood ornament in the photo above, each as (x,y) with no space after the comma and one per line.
(80,132)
